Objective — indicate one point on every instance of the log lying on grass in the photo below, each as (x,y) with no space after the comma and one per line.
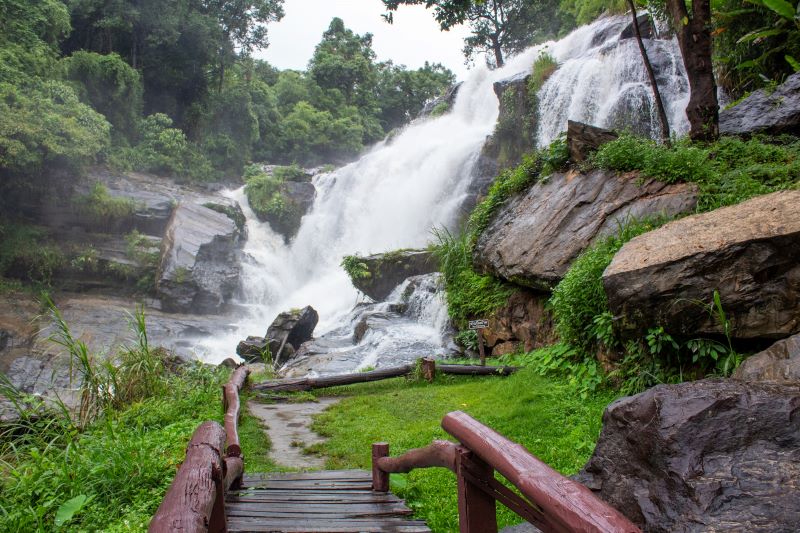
(306,384)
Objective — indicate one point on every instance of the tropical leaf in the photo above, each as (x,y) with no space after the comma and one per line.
(760,34)
(793,62)
(782,8)
(69,508)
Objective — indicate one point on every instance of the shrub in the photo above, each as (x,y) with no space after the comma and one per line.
(544,67)
(26,255)
(103,208)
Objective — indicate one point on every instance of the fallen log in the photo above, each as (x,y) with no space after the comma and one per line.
(306,384)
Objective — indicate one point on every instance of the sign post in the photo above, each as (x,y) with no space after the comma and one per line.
(478,325)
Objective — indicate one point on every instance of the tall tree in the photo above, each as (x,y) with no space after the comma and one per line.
(498,27)
(693,30)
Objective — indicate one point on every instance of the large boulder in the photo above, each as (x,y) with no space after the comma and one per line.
(199,271)
(377,275)
(749,253)
(711,455)
(763,111)
(289,330)
(583,139)
(780,363)
(534,238)
(522,322)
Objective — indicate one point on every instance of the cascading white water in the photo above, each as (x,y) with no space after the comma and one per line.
(400,189)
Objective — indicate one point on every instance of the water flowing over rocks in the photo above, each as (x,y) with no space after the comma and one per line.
(199,271)
(383,272)
(765,112)
(780,363)
(749,252)
(710,455)
(534,238)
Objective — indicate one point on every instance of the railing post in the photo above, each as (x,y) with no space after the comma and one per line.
(218,522)
(380,479)
(476,509)
(428,369)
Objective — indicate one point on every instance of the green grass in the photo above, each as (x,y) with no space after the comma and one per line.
(546,416)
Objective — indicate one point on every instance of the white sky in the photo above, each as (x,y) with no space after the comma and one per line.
(413,38)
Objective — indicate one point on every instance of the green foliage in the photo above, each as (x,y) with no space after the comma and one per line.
(111,86)
(469,294)
(585,11)
(728,171)
(579,299)
(103,208)
(546,416)
(25,254)
(440,109)
(29,34)
(544,67)
(355,268)
(264,192)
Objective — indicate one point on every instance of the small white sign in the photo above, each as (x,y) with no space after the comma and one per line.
(478,324)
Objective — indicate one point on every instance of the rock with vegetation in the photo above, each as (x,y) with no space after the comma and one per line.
(748,255)
(280,196)
(377,275)
(780,363)
(199,271)
(710,455)
(533,238)
(288,331)
(252,349)
(764,111)
(441,104)
(583,139)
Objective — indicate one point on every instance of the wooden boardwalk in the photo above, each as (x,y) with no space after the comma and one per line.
(325,501)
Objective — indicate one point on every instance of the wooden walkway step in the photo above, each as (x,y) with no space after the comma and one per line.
(327,501)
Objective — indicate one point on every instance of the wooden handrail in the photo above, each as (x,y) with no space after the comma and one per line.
(195,501)
(550,501)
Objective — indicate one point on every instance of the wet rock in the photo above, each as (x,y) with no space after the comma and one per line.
(582,139)
(379,274)
(534,237)
(289,330)
(780,363)
(228,363)
(298,198)
(198,271)
(749,253)
(765,112)
(646,28)
(252,348)
(711,455)
(524,320)
(447,99)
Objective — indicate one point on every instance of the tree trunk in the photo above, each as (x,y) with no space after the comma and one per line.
(498,52)
(662,115)
(694,39)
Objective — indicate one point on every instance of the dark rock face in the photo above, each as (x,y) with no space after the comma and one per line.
(534,238)
(780,363)
(582,139)
(388,270)
(711,455)
(251,348)
(762,112)
(750,253)
(447,98)
(198,271)
(289,330)
(646,28)
(522,321)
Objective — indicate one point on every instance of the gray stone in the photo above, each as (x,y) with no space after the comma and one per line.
(448,98)
(646,28)
(711,455)
(534,238)
(252,348)
(386,271)
(749,253)
(199,271)
(780,363)
(289,330)
(765,112)
(228,363)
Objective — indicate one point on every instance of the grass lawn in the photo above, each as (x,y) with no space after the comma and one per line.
(545,415)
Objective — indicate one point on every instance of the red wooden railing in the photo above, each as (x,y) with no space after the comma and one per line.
(195,501)
(548,500)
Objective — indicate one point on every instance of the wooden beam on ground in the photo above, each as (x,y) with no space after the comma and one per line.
(306,384)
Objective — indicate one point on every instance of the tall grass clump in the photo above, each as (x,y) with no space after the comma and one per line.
(469,294)
(107,465)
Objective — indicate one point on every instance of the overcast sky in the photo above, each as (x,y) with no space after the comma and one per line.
(413,38)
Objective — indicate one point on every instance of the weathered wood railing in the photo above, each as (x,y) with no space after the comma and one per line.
(195,501)
(550,501)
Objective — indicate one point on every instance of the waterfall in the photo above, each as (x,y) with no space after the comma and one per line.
(403,187)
